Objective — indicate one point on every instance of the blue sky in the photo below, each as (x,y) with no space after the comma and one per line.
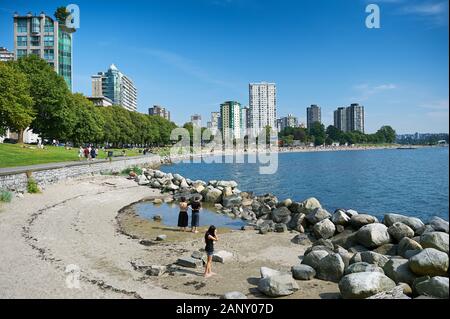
(191,55)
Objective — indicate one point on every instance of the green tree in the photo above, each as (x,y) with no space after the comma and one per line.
(317,130)
(61,14)
(334,133)
(16,104)
(386,134)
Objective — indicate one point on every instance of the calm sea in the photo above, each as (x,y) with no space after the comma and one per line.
(410,182)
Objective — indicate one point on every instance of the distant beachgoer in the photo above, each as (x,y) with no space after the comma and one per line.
(195,219)
(92,153)
(86,153)
(80,153)
(183,218)
(210,238)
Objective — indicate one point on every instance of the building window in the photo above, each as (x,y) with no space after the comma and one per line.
(21,53)
(49,41)
(36,52)
(49,54)
(48,27)
(35,41)
(21,25)
(35,25)
(22,41)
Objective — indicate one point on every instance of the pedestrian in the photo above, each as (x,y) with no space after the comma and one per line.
(86,153)
(195,219)
(210,238)
(183,218)
(93,155)
(80,153)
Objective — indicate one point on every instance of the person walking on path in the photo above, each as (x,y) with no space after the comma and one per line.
(86,153)
(80,153)
(195,221)
(210,238)
(93,153)
(183,218)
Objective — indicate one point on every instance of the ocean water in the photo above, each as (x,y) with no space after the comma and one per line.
(409,182)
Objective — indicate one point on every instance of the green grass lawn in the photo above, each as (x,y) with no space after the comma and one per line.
(22,155)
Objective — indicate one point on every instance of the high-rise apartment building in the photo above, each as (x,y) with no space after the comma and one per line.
(159,111)
(355,118)
(43,36)
(213,125)
(340,119)
(287,121)
(116,86)
(313,114)
(263,106)
(6,55)
(230,113)
(196,120)
(245,120)
(350,118)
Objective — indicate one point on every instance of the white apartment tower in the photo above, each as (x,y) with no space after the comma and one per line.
(263,106)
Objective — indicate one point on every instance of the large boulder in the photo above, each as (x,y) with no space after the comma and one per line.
(362,267)
(330,268)
(346,239)
(268,272)
(324,229)
(303,272)
(413,222)
(373,235)
(344,253)
(310,204)
(387,249)
(398,270)
(340,218)
(434,287)
(296,208)
(437,240)
(360,220)
(399,230)
(406,245)
(224,184)
(364,284)
(374,258)
(297,222)
(318,247)
(396,293)
(430,262)
(317,215)
(281,215)
(278,285)
(231,201)
(213,196)
(222,256)
(439,224)
(314,257)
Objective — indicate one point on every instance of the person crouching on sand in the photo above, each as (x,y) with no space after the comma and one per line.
(210,238)
(183,218)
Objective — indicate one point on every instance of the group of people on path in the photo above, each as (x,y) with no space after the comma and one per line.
(210,235)
(89,153)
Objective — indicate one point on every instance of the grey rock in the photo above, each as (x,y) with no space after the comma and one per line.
(157,218)
(324,242)
(437,240)
(407,244)
(301,239)
(310,205)
(396,293)
(314,257)
(303,272)
(362,267)
(213,196)
(345,255)
(345,239)
(435,287)
(340,228)
(439,224)
(189,262)
(156,270)
(374,258)
(278,285)
(230,201)
(318,247)
(330,268)
(364,284)
(161,237)
(373,235)
(360,220)
(296,208)
(317,215)
(387,249)
(222,256)
(280,228)
(398,270)
(234,295)
(351,212)
(297,222)
(324,229)
(413,222)
(197,254)
(231,184)
(399,230)
(429,261)
(281,215)
(268,272)
(424,229)
(357,249)
(340,217)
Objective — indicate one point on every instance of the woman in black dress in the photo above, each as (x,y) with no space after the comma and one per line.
(210,238)
(196,206)
(183,218)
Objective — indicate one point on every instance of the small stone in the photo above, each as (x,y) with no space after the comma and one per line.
(156,270)
(161,237)
(303,272)
(189,262)
(222,256)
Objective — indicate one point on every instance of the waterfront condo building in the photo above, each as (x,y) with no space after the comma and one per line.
(230,113)
(6,55)
(43,36)
(313,114)
(262,107)
(245,120)
(213,125)
(349,119)
(287,121)
(116,86)
(196,120)
(159,111)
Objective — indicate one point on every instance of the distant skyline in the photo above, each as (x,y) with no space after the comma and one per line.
(192,55)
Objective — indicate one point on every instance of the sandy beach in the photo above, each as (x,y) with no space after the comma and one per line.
(76,222)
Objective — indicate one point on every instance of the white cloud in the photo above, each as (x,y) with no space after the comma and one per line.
(366,91)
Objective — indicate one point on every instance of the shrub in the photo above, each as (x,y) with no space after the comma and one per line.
(5,196)
(32,186)
(135,169)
